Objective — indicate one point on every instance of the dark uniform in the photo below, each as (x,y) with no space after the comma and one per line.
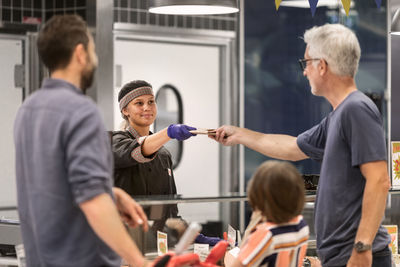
(139,175)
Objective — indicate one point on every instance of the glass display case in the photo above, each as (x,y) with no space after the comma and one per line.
(214,213)
(219,211)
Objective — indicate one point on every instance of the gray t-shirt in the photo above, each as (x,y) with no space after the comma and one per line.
(63,158)
(348,137)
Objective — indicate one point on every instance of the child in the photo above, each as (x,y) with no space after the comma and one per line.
(277,191)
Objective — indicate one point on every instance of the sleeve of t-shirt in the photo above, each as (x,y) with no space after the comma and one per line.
(312,141)
(127,151)
(88,154)
(362,129)
(257,247)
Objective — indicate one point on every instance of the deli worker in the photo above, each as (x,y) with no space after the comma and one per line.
(142,165)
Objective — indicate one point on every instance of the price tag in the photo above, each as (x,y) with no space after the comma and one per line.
(162,243)
(231,236)
(202,250)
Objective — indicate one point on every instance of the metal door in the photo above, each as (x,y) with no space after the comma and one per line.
(12,72)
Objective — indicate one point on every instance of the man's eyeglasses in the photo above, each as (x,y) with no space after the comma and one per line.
(303,62)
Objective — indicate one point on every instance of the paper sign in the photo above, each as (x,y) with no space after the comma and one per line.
(392,230)
(162,243)
(202,250)
(231,236)
(396,164)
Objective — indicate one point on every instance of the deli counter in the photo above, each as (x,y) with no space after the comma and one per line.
(216,215)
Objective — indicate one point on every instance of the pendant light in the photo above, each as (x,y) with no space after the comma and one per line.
(193,7)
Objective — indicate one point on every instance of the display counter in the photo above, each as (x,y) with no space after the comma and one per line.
(227,209)
(214,213)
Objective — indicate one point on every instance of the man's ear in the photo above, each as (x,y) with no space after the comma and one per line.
(322,67)
(80,54)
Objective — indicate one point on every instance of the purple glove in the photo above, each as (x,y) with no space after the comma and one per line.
(180,132)
(202,239)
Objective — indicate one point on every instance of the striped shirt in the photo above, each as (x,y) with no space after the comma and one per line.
(280,245)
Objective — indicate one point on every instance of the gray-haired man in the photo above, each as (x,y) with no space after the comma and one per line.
(350,142)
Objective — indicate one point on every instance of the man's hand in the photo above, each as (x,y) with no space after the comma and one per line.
(314,262)
(131,212)
(360,259)
(226,135)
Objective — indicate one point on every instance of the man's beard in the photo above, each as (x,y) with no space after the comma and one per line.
(87,79)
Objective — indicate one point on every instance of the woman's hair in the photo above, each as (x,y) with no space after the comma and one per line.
(277,190)
(58,39)
(337,45)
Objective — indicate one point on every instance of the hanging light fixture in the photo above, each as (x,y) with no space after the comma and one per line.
(193,7)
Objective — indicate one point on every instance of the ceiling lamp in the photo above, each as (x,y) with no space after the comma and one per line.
(193,7)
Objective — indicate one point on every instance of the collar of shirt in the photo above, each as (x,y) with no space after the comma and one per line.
(51,83)
(293,221)
(134,133)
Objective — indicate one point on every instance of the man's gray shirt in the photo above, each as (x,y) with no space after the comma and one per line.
(63,158)
(349,136)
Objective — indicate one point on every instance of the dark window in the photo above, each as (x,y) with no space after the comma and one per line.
(152,18)
(28,3)
(6,14)
(6,3)
(37,4)
(49,4)
(17,3)
(17,15)
(124,3)
(277,96)
(124,16)
(59,4)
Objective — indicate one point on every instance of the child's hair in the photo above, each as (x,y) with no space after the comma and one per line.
(277,190)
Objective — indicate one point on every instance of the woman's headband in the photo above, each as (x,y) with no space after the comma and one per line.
(146,90)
